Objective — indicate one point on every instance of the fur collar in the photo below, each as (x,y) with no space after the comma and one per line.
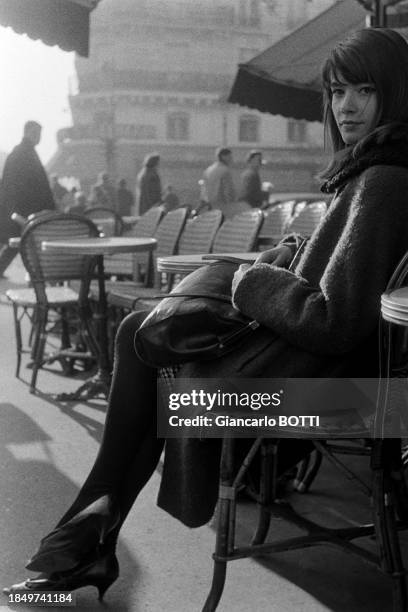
(386,145)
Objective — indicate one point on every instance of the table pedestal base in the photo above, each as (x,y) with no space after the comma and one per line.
(93,388)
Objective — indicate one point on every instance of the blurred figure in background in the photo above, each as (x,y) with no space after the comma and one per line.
(148,184)
(125,200)
(58,191)
(218,185)
(97,198)
(170,199)
(80,204)
(103,192)
(251,190)
(25,189)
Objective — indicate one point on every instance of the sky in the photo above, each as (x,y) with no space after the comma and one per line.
(34,85)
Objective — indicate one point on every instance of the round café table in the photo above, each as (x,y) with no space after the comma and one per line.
(100,383)
(184,264)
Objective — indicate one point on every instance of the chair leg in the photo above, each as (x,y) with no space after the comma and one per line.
(226,503)
(305,475)
(17,329)
(268,484)
(32,329)
(39,346)
(385,523)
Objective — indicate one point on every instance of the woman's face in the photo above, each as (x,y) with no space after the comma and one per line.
(354,108)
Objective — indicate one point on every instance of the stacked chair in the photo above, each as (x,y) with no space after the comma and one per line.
(49,273)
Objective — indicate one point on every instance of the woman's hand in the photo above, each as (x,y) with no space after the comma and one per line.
(280,256)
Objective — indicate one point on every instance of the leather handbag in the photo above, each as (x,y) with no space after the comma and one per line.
(196,321)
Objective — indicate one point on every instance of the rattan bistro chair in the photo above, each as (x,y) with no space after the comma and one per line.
(136,266)
(307,219)
(125,295)
(238,234)
(276,220)
(387,489)
(197,237)
(108,222)
(48,292)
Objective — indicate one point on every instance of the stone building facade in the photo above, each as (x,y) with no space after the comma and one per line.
(157,79)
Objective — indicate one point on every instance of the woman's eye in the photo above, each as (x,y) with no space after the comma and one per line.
(337,91)
(367,90)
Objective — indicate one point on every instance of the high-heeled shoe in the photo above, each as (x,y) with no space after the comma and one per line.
(66,546)
(100,573)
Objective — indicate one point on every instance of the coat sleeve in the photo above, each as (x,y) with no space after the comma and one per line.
(227,188)
(335,316)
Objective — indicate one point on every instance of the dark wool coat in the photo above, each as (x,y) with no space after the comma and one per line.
(251,188)
(149,189)
(24,189)
(325,313)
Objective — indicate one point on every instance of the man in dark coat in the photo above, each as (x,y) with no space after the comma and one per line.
(25,189)
(251,185)
(125,200)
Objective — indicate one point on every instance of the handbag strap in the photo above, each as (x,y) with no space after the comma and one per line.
(196,294)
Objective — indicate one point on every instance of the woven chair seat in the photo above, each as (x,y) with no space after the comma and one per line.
(56,296)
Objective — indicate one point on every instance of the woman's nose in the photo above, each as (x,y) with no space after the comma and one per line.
(349,102)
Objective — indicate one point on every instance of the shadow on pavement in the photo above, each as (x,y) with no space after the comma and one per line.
(34,494)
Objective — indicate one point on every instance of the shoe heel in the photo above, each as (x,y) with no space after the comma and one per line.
(103,586)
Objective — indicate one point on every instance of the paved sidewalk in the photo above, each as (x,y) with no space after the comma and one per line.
(46,450)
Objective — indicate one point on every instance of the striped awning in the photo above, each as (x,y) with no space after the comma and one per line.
(56,22)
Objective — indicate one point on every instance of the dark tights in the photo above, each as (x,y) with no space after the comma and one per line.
(130,450)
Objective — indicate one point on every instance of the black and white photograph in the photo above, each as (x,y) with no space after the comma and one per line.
(204,305)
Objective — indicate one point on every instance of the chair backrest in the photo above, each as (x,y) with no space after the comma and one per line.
(168,232)
(276,219)
(238,234)
(199,233)
(167,236)
(306,221)
(130,264)
(107,220)
(147,224)
(49,266)
(298,206)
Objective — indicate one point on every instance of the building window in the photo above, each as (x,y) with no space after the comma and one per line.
(137,131)
(248,128)
(297,131)
(178,126)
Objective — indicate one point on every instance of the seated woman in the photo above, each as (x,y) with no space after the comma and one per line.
(324,314)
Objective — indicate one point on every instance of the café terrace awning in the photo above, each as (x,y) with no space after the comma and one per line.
(284,79)
(56,22)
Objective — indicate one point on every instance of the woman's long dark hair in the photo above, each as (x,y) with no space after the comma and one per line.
(374,55)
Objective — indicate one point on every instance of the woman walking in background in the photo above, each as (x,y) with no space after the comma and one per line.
(148,184)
